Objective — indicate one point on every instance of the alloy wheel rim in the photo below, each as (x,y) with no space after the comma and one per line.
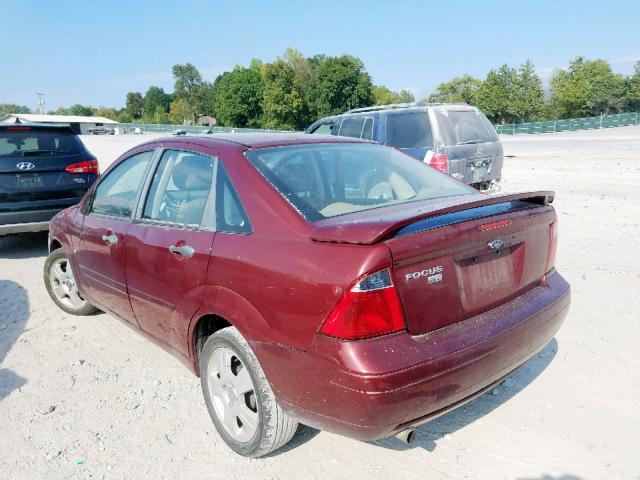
(63,285)
(232,394)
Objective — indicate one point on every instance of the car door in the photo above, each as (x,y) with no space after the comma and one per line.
(100,253)
(169,243)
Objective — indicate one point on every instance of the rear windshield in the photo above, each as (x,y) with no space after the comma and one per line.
(23,143)
(465,127)
(327,180)
(409,130)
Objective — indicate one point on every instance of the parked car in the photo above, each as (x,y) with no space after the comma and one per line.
(323,280)
(43,170)
(454,138)
(99,130)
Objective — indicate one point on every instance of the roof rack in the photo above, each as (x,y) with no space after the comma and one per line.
(392,106)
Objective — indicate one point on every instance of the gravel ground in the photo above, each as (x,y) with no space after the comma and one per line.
(89,398)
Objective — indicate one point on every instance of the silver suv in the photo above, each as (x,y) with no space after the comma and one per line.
(455,138)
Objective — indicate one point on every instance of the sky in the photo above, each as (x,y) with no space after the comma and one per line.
(94,52)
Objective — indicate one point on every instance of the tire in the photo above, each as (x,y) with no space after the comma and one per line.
(62,287)
(254,424)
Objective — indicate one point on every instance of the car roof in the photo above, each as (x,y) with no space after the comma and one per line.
(263,139)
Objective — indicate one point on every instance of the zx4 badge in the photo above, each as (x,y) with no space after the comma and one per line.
(433,274)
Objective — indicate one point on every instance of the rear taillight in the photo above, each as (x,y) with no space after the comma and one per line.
(369,309)
(89,166)
(553,245)
(439,160)
(18,129)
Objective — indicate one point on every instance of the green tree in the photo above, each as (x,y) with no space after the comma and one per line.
(632,97)
(586,88)
(383,96)
(281,101)
(286,82)
(190,87)
(181,112)
(340,84)
(495,96)
(187,78)
(7,108)
(60,111)
(237,97)
(81,110)
(456,90)
(135,105)
(106,112)
(156,100)
(528,95)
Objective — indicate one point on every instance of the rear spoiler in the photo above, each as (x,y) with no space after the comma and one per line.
(372,226)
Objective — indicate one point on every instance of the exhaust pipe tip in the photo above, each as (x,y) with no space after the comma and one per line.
(406,436)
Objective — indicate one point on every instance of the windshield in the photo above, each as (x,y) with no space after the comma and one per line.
(326,180)
(36,142)
(465,127)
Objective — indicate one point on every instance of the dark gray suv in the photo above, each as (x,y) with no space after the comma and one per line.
(454,138)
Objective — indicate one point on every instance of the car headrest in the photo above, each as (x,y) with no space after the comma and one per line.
(296,177)
(46,142)
(193,173)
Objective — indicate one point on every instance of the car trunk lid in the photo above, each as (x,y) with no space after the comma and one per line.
(450,272)
(451,262)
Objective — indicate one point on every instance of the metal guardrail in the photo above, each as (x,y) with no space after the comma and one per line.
(192,129)
(571,124)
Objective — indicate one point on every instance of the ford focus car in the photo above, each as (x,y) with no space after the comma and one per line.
(315,279)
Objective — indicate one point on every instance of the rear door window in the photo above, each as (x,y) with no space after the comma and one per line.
(409,130)
(352,127)
(231,216)
(26,142)
(465,127)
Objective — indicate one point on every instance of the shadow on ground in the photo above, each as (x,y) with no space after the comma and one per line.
(14,312)
(428,434)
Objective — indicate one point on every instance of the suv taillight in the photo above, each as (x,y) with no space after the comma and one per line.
(369,309)
(553,244)
(90,166)
(439,160)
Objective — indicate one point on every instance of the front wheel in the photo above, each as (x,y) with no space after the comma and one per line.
(62,287)
(239,398)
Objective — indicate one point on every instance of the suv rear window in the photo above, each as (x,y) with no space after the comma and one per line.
(326,180)
(40,142)
(409,130)
(465,127)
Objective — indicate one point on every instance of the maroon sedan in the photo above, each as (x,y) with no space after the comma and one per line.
(312,279)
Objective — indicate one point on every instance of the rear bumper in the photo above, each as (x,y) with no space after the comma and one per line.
(24,227)
(374,388)
(34,219)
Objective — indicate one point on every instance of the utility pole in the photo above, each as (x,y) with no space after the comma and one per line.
(40,102)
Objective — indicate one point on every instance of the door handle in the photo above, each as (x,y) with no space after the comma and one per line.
(110,239)
(184,250)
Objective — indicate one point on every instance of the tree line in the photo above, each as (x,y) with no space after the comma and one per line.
(293,91)
(512,95)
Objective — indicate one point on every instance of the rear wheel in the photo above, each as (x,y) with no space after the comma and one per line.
(62,287)
(239,398)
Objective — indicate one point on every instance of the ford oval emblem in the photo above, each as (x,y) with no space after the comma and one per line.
(495,244)
(25,166)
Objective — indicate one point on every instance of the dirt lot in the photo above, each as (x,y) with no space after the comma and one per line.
(89,398)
